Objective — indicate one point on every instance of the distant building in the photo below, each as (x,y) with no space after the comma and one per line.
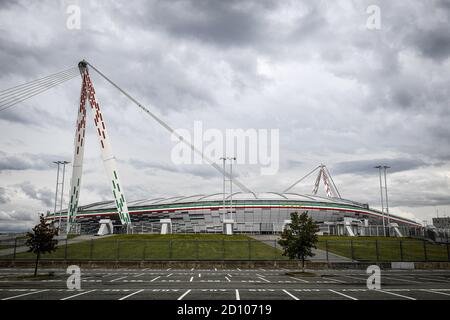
(442,223)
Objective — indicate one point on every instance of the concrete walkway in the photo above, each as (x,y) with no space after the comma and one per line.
(320,255)
(61,241)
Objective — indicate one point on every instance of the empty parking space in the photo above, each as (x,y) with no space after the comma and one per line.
(226,284)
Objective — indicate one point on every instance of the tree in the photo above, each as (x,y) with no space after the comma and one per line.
(299,237)
(40,240)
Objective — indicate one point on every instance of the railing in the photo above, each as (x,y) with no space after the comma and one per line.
(355,250)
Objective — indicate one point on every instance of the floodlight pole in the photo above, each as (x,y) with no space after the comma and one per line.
(223,189)
(385,189)
(57,182)
(231,186)
(62,192)
(382,202)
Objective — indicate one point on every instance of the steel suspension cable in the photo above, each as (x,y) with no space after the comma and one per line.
(38,80)
(35,85)
(10,103)
(170,129)
(17,95)
(301,179)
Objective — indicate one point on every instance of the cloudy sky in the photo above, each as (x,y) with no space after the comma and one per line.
(339,92)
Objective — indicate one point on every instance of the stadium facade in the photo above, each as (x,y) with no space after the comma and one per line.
(252,213)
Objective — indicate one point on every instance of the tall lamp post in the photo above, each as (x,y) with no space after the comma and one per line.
(385,189)
(63,163)
(382,202)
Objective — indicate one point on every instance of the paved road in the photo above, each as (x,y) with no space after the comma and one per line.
(226,284)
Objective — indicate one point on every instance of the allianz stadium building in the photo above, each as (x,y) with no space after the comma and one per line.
(252,213)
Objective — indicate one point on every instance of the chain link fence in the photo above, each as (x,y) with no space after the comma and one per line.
(242,250)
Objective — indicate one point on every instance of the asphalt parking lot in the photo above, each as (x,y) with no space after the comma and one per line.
(226,284)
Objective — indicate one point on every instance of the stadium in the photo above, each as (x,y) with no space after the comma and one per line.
(238,212)
(251,213)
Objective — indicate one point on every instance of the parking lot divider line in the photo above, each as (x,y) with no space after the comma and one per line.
(118,279)
(342,294)
(155,278)
(404,280)
(264,279)
(291,295)
(192,278)
(305,281)
(76,295)
(169,275)
(396,294)
(228,279)
(132,294)
(432,291)
(24,294)
(238,297)
(184,294)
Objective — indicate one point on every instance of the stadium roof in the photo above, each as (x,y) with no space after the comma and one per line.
(237,196)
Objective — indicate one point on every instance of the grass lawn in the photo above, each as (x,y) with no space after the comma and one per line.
(166,247)
(389,249)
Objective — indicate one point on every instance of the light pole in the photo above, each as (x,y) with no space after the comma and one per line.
(385,189)
(57,183)
(223,203)
(230,179)
(62,189)
(382,202)
(231,186)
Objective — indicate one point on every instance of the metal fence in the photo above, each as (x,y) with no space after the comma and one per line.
(242,250)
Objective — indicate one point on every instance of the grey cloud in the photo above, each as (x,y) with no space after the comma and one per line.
(204,171)
(3,196)
(433,43)
(366,167)
(44,195)
(27,161)
(231,23)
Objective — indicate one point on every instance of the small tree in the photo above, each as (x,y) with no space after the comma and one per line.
(299,237)
(40,240)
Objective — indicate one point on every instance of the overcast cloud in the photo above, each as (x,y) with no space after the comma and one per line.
(340,94)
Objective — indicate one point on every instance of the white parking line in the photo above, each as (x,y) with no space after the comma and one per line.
(168,269)
(215,269)
(434,279)
(344,295)
(155,278)
(340,281)
(259,275)
(192,269)
(24,294)
(263,279)
(294,297)
(132,294)
(118,279)
(398,279)
(395,294)
(184,294)
(432,291)
(238,269)
(199,275)
(138,275)
(169,275)
(76,295)
(305,281)
(229,275)
(238,297)
(353,277)
(228,279)
(191,279)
